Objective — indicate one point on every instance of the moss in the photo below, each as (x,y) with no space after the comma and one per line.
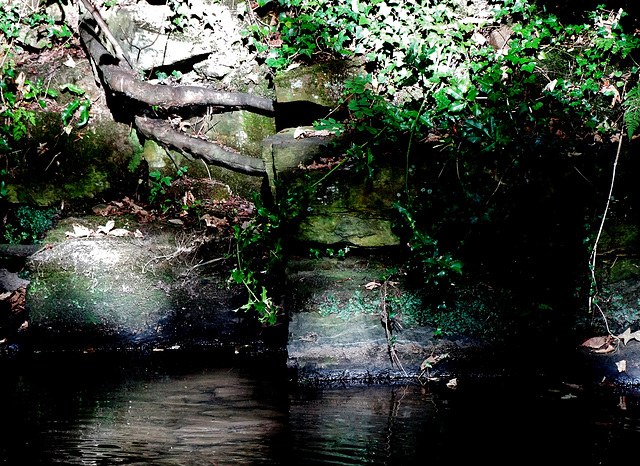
(54,166)
(623,269)
(138,151)
(321,83)
(242,130)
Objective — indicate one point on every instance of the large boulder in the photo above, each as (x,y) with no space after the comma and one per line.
(152,288)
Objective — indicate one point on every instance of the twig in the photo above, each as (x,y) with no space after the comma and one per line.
(385,318)
(604,217)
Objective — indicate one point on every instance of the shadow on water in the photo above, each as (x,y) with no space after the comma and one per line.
(202,409)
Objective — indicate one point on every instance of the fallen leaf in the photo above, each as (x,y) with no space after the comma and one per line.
(138,234)
(626,335)
(79,231)
(452,384)
(372,285)
(478,38)
(214,222)
(622,365)
(70,63)
(606,349)
(119,232)
(610,90)
(596,342)
(310,133)
(427,363)
(106,228)
(629,335)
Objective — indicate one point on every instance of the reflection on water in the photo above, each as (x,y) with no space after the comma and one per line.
(188,412)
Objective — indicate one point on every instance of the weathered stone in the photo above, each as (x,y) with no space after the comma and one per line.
(347,208)
(9,281)
(241,130)
(72,167)
(107,292)
(337,228)
(337,328)
(209,42)
(283,153)
(321,83)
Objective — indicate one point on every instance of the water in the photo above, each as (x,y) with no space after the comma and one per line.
(207,410)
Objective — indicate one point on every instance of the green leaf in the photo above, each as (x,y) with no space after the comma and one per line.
(72,88)
(84,113)
(68,112)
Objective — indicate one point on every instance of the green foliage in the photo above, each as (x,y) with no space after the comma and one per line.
(358,304)
(32,222)
(80,106)
(17,93)
(260,250)
(484,111)
(159,183)
(434,268)
(632,112)
(138,151)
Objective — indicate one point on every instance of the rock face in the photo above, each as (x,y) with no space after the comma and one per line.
(143,291)
(348,208)
(205,34)
(347,323)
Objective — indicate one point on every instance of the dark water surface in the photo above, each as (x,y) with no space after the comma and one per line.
(201,410)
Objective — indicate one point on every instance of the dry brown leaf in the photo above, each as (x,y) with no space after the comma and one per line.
(596,342)
(605,349)
(430,361)
(622,365)
(372,285)
(214,222)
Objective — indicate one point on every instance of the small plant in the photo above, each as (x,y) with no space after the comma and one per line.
(158,185)
(33,223)
(79,106)
(258,300)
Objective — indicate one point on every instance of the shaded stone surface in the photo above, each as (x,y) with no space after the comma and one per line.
(348,208)
(337,323)
(102,292)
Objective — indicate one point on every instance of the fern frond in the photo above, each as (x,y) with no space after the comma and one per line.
(632,112)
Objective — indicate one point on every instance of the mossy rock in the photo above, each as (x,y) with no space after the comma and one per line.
(79,166)
(320,83)
(132,291)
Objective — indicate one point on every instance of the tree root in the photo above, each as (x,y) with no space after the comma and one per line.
(209,152)
(123,80)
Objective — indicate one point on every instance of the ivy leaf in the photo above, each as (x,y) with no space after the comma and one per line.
(84,113)
(72,88)
(67,113)
(529,67)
